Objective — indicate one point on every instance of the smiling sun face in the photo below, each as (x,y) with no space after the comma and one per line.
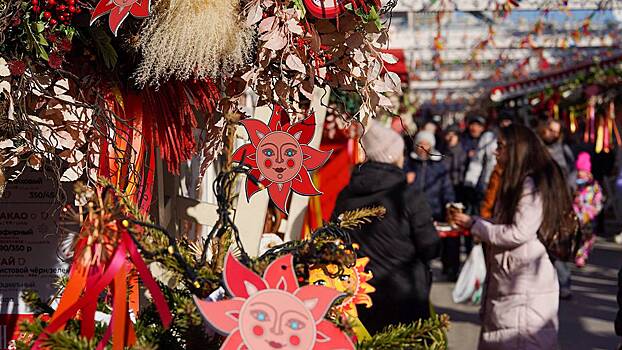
(280,157)
(273,311)
(352,281)
(286,325)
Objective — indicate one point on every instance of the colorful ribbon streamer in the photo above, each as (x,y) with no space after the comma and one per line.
(86,283)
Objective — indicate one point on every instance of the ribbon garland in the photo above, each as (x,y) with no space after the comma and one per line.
(86,283)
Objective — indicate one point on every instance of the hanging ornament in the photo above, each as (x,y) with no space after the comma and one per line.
(334,8)
(573,121)
(118,11)
(105,258)
(350,280)
(273,312)
(280,157)
(193,39)
(600,136)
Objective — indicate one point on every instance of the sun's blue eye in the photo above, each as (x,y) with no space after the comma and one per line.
(268,152)
(290,152)
(295,325)
(260,315)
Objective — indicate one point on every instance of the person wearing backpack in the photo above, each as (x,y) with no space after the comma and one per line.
(530,221)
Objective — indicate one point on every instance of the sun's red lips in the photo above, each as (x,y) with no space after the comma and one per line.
(275,344)
(279,170)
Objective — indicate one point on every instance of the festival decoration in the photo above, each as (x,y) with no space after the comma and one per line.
(118,10)
(280,157)
(45,123)
(192,39)
(334,8)
(296,54)
(273,311)
(352,280)
(105,256)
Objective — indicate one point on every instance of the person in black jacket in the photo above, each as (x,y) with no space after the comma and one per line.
(618,320)
(428,174)
(400,245)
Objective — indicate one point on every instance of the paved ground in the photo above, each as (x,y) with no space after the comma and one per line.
(586,321)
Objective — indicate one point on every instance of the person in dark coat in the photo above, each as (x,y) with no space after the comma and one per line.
(400,245)
(455,157)
(618,320)
(431,177)
(428,174)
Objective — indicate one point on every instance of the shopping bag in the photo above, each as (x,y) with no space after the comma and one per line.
(472,276)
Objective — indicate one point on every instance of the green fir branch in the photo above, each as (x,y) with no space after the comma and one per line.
(427,334)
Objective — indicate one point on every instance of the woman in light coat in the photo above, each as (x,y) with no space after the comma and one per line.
(520,304)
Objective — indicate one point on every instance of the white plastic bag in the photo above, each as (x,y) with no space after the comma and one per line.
(472,276)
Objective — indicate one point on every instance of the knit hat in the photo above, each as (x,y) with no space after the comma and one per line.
(477,119)
(453,128)
(425,136)
(584,162)
(382,144)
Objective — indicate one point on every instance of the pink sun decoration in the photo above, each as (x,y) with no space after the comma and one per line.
(273,312)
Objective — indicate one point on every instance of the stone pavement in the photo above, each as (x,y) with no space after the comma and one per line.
(586,320)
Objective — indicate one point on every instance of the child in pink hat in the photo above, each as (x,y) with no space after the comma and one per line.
(588,202)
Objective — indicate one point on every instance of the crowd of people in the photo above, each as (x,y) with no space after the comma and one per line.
(526,198)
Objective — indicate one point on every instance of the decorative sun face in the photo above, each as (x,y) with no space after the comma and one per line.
(280,157)
(266,324)
(352,281)
(273,312)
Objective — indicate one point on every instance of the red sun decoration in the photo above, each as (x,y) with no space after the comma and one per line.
(119,10)
(280,157)
(273,312)
(334,8)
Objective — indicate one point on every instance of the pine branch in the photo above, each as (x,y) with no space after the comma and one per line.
(353,219)
(421,335)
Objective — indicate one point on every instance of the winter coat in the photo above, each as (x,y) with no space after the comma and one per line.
(521,297)
(399,246)
(563,156)
(432,178)
(455,161)
(588,200)
(480,167)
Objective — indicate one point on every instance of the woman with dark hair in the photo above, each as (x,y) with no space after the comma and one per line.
(520,305)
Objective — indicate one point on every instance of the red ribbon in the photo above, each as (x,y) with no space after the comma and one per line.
(120,328)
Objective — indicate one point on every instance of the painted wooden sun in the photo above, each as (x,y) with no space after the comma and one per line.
(352,281)
(273,311)
(280,157)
